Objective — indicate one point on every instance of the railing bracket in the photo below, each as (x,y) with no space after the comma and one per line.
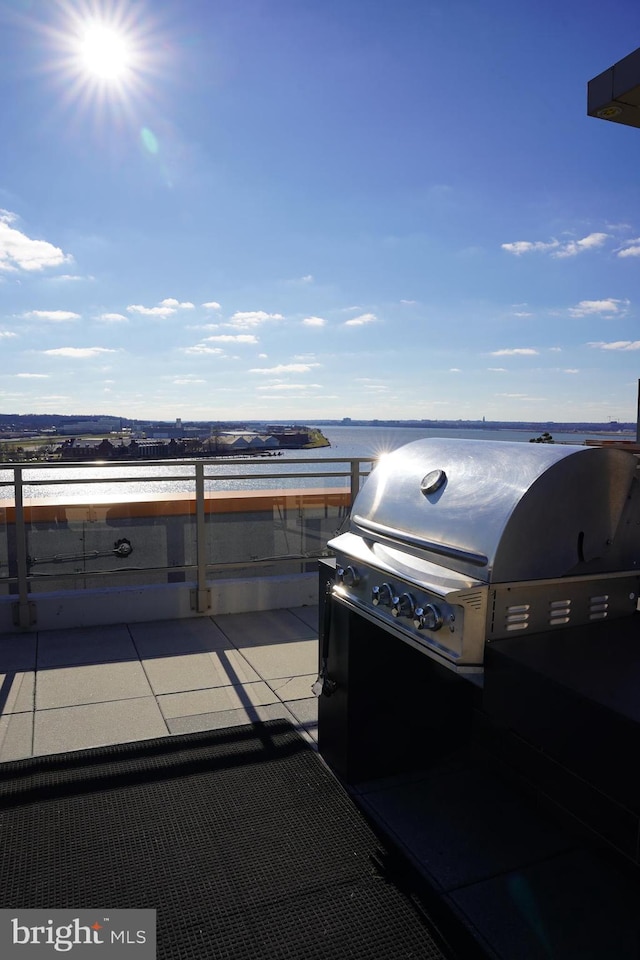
(200,600)
(24,614)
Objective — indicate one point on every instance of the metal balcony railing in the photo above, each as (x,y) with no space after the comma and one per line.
(74,526)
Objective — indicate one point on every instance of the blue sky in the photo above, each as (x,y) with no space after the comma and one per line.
(299,209)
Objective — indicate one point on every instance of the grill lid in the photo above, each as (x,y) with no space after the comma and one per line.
(500,511)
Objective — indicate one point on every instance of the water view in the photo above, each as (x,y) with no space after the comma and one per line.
(177,478)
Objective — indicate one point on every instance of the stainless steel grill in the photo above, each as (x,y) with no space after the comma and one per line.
(455,543)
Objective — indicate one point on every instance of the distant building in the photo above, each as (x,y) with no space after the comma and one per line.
(102,425)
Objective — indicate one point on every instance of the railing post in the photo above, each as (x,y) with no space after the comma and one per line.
(201,602)
(355,481)
(24,611)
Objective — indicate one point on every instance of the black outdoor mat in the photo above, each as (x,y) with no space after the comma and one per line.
(242,841)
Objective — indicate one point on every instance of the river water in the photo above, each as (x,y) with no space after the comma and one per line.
(175,478)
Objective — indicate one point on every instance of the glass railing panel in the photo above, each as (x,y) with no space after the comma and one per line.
(75,546)
(97,525)
(4,547)
(272,532)
(7,531)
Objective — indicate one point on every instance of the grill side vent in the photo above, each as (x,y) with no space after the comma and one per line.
(517,616)
(473,599)
(598,607)
(559,612)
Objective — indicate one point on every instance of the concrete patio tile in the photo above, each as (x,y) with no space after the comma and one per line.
(96,725)
(17,692)
(162,638)
(101,682)
(293,688)
(306,713)
(17,651)
(196,671)
(264,626)
(214,700)
(295,659)
(65,648)
(308,614)
(229,718)
(16,737)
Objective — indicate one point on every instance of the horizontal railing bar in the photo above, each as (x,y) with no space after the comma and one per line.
(73,481)
(184,462)
(277,476)
(211,567)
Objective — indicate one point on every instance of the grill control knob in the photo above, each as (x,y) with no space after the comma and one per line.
(428,617)
(382,596)
(348,575)
(403,606)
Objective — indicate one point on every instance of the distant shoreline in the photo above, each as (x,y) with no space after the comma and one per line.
(606,429)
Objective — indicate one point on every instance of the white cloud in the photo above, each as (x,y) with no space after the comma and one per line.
(7,334)
(56,316)
(455,370)
(166,308)
(290,386)
(187,381)
(69,277)
(253,318)
(230,338)
(513,396)
(33,376)
(150,311)
(176,304)
(571,370)
(522,313)
(113,318)
(314,322)
(286,368)
(518,247)
(409,302)
(361,320)
(212,305)
(202,348)
(558,250)
(631,249)
(574,247)
(590,307)
(20,252)
(497,369)
(515,352)
(618,345)
(78,353)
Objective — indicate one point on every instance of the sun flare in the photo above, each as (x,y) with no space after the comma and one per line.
(104,52)
(103,61)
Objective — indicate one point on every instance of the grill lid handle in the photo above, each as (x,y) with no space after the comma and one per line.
(403,538)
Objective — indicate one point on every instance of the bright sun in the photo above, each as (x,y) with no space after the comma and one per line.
(104,52)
